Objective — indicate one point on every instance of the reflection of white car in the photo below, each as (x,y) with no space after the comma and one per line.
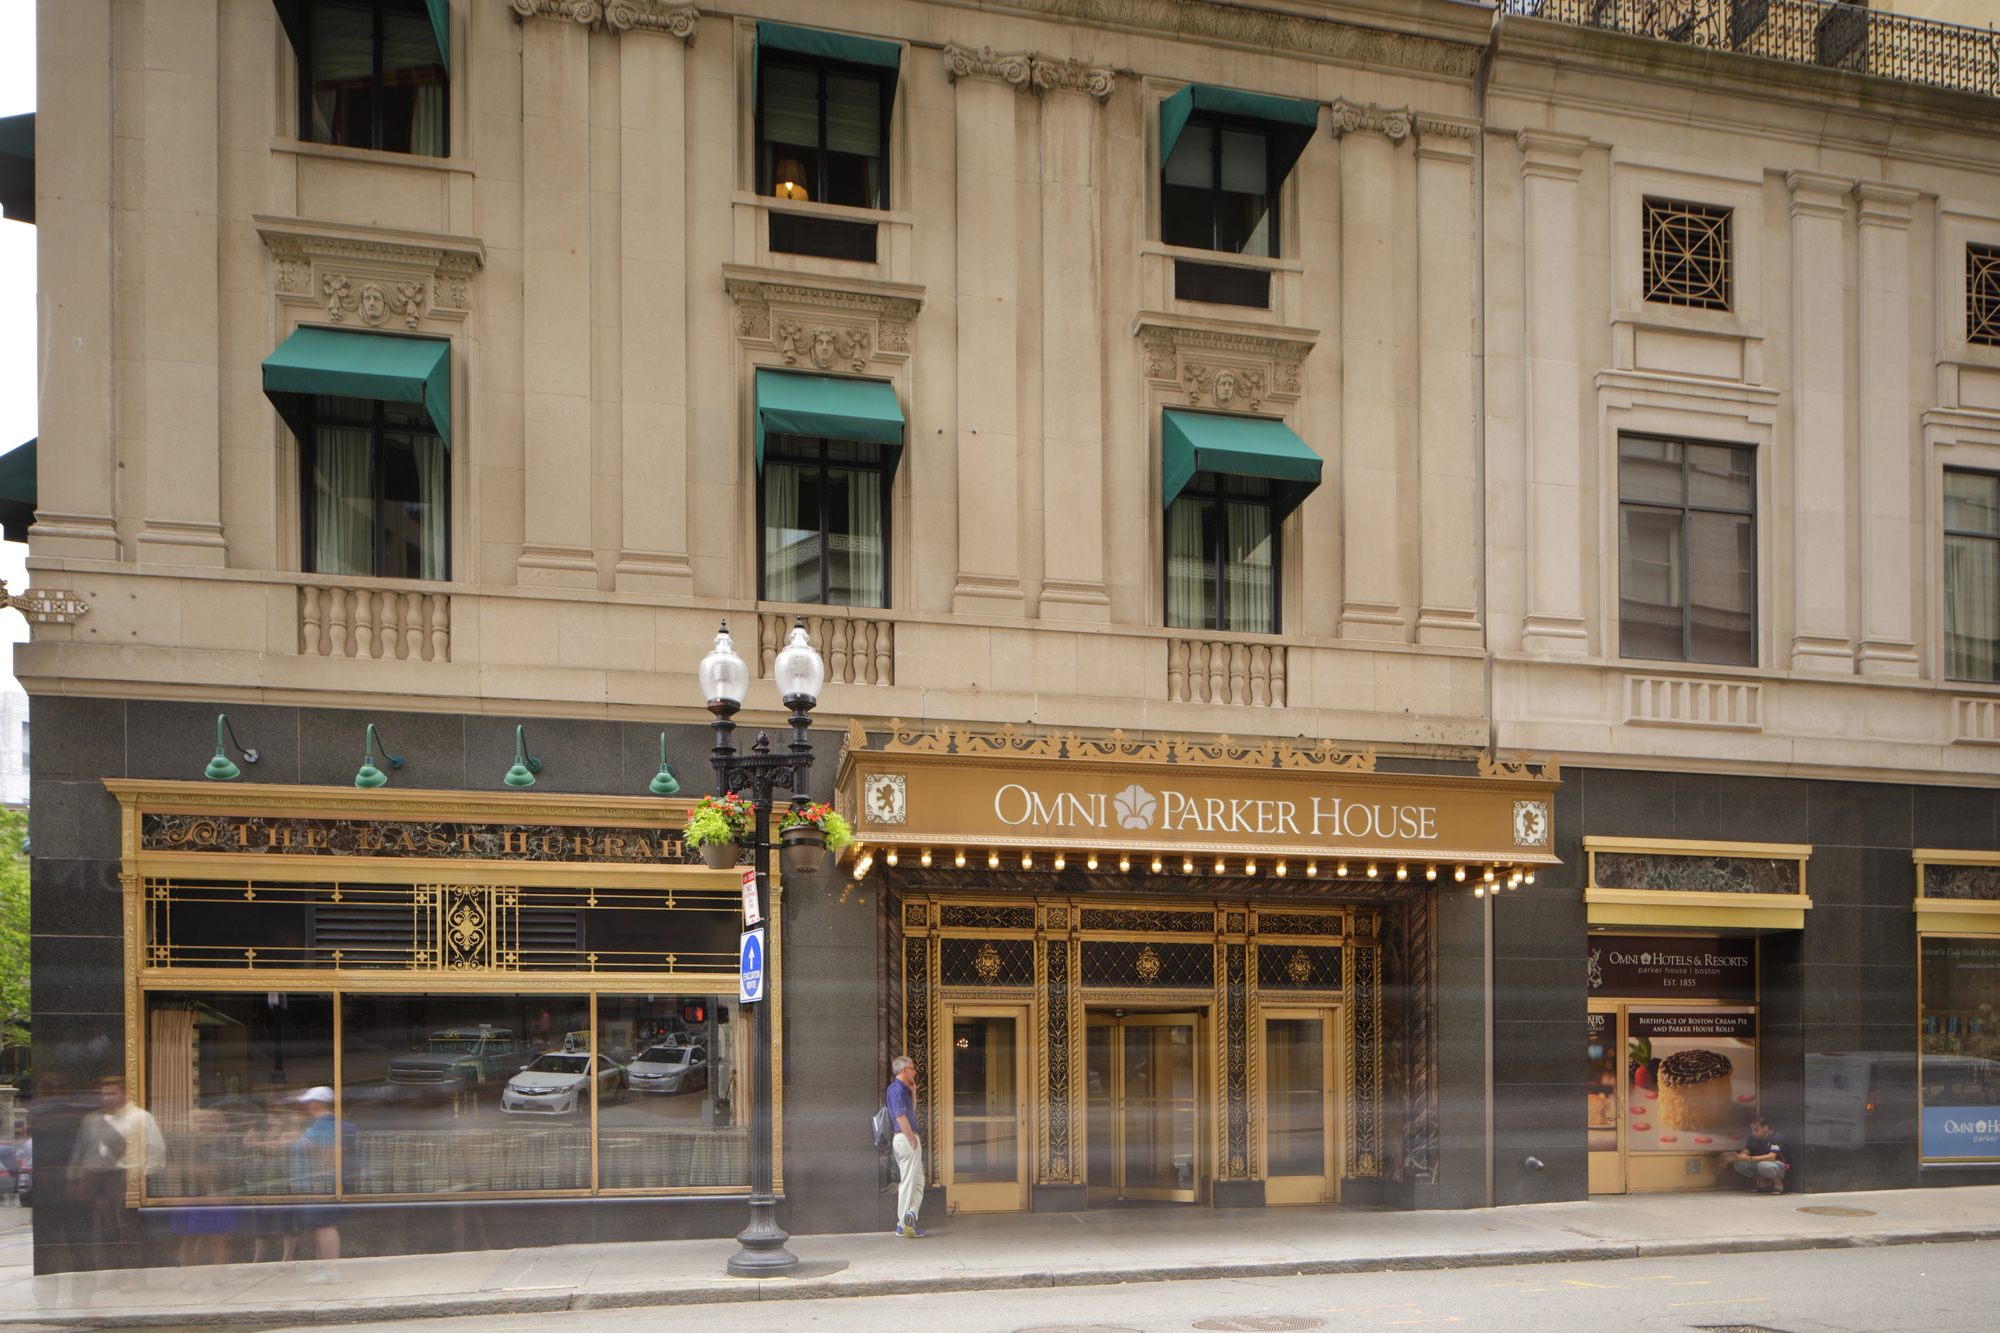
(556,1084)
(669,1069)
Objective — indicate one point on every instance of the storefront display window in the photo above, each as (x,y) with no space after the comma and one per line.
(1959,1041)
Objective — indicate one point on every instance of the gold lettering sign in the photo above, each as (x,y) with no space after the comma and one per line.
(259,835)
(909,798)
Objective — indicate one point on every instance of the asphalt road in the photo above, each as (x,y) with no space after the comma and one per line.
(1897,1289)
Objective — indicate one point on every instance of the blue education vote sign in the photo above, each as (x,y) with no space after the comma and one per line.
(750,990)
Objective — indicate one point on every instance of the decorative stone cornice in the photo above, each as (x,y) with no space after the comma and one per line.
(823,323)
(371,276)
(1371,117)
(1028,71)
(1264,30)
(1223,361)
(618,15)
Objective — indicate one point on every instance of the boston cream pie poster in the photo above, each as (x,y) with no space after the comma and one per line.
(1694,1079)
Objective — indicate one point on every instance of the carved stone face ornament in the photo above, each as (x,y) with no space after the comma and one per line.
(822,347)
(374,305)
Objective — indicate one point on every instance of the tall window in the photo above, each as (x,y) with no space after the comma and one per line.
(1218,190)
(1971,575)
(823,132)
(377,491)
(1222,556)
(1687,551)
(1687,254)
(371,76)
(826,523)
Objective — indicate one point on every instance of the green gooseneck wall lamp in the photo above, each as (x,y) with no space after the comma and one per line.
(219,768)
(371,776)
(522,774)
(664,782)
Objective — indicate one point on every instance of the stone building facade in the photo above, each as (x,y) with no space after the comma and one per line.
(1128,395)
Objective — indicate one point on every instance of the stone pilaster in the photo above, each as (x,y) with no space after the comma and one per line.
(1887,643)
(1822,639)
(1447,477)
(1550,170)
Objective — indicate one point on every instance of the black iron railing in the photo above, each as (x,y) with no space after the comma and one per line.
(1828,33)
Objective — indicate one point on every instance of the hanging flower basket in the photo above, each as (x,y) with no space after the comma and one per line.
(809,834)
(716,826)
(721,855)
(805,849)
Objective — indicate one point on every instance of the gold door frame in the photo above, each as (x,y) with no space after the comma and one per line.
(1333,1077)
(983,1196)
(1039,959)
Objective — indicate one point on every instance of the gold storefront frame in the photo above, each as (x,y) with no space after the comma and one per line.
(139,866)
(1230,1001)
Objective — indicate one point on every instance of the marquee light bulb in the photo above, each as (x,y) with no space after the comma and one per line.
(1281,870)
(1528,878)
(1459,874)
(1249,867)
(1312,867)
(1430,872)
(925,859)
(1059,860)
(1371,870)
(961,858)
(992,860)
(1220,866)
(1187,865)
(1489,874)
(1156,865)
(1090,862)
(1125,864)
(1479,892)
(1402,871)
(891,856)
(1027,860)
(1341,870)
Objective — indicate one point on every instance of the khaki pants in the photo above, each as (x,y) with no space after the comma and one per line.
(910,1166)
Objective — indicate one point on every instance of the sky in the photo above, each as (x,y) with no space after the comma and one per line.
(20,399)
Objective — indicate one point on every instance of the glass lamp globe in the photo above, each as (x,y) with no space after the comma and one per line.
(724,676)
(798,668)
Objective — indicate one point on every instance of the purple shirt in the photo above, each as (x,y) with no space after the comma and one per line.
(901,1103)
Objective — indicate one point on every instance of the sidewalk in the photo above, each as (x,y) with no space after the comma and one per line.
(1008,1250)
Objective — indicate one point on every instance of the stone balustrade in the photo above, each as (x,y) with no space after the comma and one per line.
(337,621)
(858,651)
(1219,671)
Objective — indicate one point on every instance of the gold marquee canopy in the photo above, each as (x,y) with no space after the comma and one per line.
(1154,804)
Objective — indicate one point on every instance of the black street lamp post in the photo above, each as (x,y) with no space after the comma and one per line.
(725,677)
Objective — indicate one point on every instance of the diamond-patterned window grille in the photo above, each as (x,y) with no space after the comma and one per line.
(1298,966)
(1982,294)
(986,963)
(1687,254)
(1146,964)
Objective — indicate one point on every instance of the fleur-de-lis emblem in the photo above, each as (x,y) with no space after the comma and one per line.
(1147,965)
(987,962)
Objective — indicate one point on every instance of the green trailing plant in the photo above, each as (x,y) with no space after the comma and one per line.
(716,820)
(837,830)
(14,990)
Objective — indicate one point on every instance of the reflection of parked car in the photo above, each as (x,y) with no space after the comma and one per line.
(669,1069)
(455,1062)
(556,1084)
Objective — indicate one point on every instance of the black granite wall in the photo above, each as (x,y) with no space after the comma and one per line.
(79,1034)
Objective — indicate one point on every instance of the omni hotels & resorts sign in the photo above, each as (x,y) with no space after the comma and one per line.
(947,789)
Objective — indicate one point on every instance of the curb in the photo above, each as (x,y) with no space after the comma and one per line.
(831,1286)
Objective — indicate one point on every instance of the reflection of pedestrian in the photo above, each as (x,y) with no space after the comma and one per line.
(111,1142)
(267,1170)
(909,1150)
(1763,1159)
(204,1230)
(313,1154)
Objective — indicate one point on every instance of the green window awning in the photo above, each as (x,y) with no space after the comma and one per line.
(1192,442)
(296,16)
(346,364)
(831,406)
(17,491)
(1291,120)
(824,45)
(17,166)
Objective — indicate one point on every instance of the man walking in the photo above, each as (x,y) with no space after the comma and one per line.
(902,1101)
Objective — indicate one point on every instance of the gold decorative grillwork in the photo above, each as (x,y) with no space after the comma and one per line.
(1687,254)
(1982,294)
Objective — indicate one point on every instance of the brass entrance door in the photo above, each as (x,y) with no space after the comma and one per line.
(1144,1103)
(1302,1150)
(986,1162)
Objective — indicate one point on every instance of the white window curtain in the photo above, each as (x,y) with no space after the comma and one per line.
(1971,608)
(865,575)
(170,1073)
(433,483)
(1187,569)
(1249,571)
(343,502)
(791,551)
